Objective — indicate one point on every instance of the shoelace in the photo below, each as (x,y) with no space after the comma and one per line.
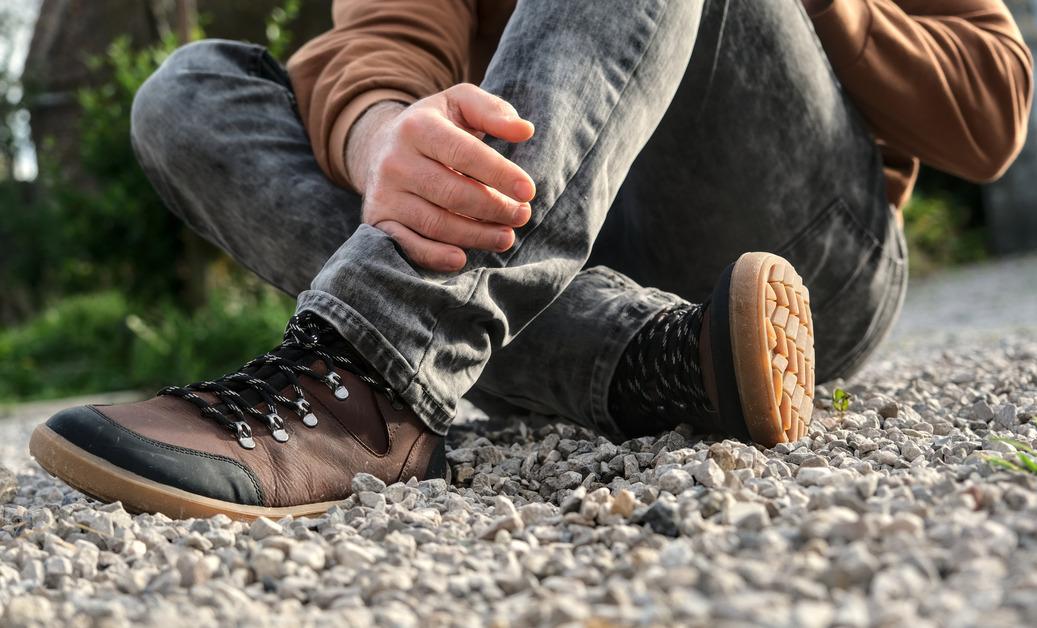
(302,336)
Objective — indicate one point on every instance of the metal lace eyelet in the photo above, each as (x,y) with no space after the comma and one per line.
(277,427)
(244,435)
(334,382)
(302,408)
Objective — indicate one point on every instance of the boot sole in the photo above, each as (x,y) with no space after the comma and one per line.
(106,482)
(771,334)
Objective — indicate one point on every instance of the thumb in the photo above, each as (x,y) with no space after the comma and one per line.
(482,111)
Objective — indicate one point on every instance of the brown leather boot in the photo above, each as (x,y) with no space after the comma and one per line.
(283,436)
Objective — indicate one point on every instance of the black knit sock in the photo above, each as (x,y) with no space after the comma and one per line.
(658,383)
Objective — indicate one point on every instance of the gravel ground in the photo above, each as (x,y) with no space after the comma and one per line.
(886,514)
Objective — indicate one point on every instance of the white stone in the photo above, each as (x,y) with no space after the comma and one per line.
(675,481)
(267,563)
(747,515)
(708,473)
(262,528)
(309,554)
(367,482)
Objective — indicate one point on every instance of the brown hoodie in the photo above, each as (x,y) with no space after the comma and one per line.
(947,82)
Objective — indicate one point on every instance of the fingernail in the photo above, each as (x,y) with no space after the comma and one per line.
(523,214)
(456,260)
(524,190)
(504,240)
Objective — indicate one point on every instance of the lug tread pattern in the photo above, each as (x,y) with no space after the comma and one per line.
(789,327)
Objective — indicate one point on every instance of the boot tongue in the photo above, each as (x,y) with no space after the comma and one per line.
(327,339)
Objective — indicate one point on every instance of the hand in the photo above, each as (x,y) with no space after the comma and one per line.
(430,182)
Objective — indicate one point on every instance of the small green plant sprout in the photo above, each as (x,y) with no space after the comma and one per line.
(1025,454)
(841,400)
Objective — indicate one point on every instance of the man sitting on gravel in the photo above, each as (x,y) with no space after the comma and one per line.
(581,267)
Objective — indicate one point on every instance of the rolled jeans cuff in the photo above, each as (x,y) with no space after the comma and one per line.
(384,359)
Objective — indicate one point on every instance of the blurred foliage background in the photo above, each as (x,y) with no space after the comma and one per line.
(103,289)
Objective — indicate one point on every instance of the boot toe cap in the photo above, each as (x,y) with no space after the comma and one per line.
(200,473)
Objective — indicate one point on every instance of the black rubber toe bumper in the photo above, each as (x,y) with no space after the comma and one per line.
(193,471)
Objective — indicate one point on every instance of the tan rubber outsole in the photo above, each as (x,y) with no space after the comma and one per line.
(106,482)
(772,338)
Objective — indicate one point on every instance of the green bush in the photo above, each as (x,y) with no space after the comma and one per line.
(120,230)
(104,227)
(940,233)
(278,36)
(136,302)
(102,342)
(177,347)
(77,346)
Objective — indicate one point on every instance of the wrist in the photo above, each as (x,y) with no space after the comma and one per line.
(362,138)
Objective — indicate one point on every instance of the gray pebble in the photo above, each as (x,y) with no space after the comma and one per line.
(888,514)
(368,482)
(1006,416)
(708,473)
(263,528)
(981,411)
(662,518)
(747,515)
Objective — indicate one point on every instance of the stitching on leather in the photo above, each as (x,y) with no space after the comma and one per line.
(359,440)
(395,427)
(184,450)
(405,472)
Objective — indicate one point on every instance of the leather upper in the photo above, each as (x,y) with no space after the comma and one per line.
(166,439)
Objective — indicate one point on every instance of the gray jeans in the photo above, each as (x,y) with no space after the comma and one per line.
(672,135)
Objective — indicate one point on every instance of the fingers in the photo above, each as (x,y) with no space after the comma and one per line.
(482,111)
(436,223)
(426,253)
(454,148)
(437,189)
(444,187)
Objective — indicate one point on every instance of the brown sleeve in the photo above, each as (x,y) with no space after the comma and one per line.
(949,81)
(378,50)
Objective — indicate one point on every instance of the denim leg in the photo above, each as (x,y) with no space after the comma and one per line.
(562,363)
(217,133)
(595,78)
(773,156)
(760,150)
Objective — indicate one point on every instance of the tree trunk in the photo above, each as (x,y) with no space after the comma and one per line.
(196,261)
